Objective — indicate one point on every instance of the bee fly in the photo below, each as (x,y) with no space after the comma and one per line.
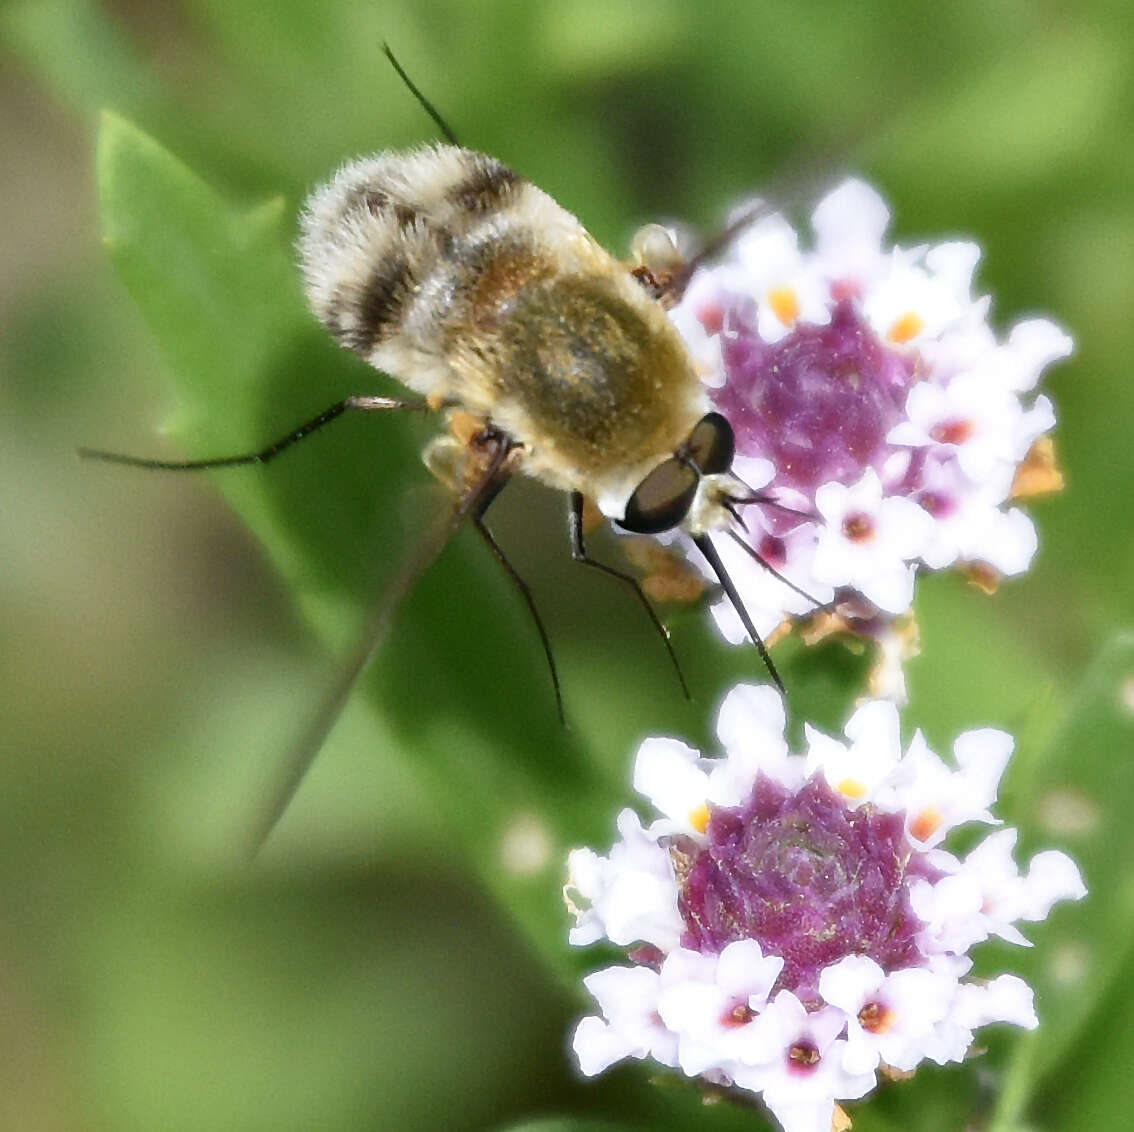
(443,267)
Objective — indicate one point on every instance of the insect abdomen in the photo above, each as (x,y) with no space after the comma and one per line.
(382,246)
(445,269)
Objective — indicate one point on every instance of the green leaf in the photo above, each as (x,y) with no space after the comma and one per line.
(311,1001)
(1080,797)
(1025,115)
(1093,1088)
(566,1124)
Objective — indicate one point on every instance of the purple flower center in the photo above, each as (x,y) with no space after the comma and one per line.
(806,877)
(937,504)
(858,527)
(802,1058)
(819,402)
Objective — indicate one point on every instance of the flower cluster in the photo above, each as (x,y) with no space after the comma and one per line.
(873,402)
(793,921)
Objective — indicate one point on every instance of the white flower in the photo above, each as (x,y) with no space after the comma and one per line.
(849,225)
(1007,895)
(681,784)
(971,525)
(667,773)
(936,798)
(804,924)
(628,897)
(711,1002)
(924,292)
(779,278)
(1032,346)
(857,771)
(866,541)
(1004,999)
(890,1018)
(804,1073)
(977,420)
(697,322)
(628,998)
(867,377)
(768,597)
(750,727)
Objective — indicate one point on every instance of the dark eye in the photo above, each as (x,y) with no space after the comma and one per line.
(711,445)
(662,499)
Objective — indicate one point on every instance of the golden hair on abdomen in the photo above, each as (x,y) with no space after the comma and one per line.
(449,271)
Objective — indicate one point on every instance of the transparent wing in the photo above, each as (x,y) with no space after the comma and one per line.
(422,554)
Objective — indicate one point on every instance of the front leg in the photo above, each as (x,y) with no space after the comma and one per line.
(579,554)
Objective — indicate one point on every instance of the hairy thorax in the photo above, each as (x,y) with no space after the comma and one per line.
(444,268)
(588,374)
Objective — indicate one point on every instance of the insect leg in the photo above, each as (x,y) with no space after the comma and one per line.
(705,546)
(424,102)
(579,554)
(802,178)
(753,553)
(424,553)
(675,286)
(360,403)
(525,591)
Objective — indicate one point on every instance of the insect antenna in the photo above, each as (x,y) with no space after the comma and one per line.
(705,546)
(361,403)
(424,553)
(423,102)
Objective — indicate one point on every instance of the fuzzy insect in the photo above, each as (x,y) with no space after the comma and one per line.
(446,269)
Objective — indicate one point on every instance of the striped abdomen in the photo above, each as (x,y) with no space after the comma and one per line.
(447,270)
(397,247)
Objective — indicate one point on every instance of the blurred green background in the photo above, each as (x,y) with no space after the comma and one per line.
(395,958)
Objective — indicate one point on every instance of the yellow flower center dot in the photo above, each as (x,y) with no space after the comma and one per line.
(910,325)
(926,824)
(784,303)
(699,818)
(851,788)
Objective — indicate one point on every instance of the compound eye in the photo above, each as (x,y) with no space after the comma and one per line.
(711,445)
(662,499)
